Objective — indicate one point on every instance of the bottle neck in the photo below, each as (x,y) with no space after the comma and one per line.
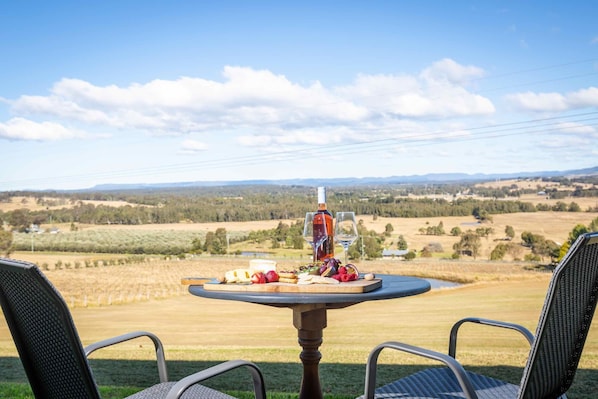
(322,206)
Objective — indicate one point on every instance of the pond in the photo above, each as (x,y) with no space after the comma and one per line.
(435,283)
(255,254)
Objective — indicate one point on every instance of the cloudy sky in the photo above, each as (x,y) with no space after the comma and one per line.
(173,91)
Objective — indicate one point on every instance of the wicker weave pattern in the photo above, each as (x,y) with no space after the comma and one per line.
(556,348)
(563,327)
(195,392)
(55,355)
(441,383)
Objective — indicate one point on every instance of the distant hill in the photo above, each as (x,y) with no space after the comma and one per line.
(431,178)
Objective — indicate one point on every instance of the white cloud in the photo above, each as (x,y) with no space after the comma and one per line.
(437,91)
(555,101)
(193,147)
(24,129)
(279,110)
(449,70)
(538,101)
(584,98)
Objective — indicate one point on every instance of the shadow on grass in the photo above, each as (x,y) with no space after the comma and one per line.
(340,381)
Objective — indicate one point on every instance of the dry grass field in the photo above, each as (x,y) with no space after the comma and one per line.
(195,328)
(26,202)
(109,300)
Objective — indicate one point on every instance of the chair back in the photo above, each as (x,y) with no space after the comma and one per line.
(44,334)
(564,322)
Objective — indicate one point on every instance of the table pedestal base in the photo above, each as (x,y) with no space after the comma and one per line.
(310,322)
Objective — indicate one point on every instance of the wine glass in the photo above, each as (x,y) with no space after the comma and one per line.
(345,230)
(314,235)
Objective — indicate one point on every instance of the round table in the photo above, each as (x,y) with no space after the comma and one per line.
(309,315)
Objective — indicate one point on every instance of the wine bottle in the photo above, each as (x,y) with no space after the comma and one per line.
(326,249)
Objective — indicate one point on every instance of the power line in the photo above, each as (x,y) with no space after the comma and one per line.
(547,124)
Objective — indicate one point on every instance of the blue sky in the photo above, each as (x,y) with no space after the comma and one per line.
(174,91)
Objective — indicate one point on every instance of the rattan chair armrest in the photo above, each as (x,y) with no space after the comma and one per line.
(453,365)
(160,358)
(258,380)
(487,322)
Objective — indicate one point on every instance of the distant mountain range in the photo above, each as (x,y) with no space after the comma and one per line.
(431,178)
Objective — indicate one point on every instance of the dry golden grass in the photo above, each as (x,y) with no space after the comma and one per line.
(194,328)
(153,296)
(27,202)
(527,184)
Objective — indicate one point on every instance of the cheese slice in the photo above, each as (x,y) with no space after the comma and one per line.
(238,276)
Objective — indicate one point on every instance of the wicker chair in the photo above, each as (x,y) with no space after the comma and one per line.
(52,354)
(555,350)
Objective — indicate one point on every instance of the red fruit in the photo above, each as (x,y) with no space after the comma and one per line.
(342,270)
(345,277)
(338,277)
(258,278)
(271,276)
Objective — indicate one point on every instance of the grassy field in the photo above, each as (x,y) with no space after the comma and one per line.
(113,298)
(198,332)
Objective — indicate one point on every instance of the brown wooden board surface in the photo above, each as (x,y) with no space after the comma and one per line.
(358,286)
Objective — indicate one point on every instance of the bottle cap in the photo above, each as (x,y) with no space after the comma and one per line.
(321,195)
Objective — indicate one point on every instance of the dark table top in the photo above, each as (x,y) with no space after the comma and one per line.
(393,286)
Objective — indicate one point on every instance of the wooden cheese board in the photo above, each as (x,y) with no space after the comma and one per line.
(358,286)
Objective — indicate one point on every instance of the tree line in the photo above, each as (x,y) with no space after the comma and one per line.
(276,204)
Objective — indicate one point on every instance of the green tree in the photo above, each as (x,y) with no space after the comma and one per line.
(402,243)
(372,246)
(470,243)
(216,242)
(298,242)
(499,252)
(196,247)
(576,232)
(5,242)
(484,231)
(546,248)
(388,229)
(20,219)
(456,231)
(510,232)
(574,207)
(530,239)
